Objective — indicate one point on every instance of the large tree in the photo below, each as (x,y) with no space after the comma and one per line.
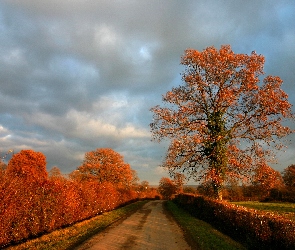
(223,121)
(105,165)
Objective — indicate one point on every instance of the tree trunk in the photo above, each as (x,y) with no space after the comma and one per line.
(217,188)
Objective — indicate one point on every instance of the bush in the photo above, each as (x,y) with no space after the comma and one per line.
(248,226)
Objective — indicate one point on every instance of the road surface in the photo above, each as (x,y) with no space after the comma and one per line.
(149,228)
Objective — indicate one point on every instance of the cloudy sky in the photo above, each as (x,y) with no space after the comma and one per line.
(76,75)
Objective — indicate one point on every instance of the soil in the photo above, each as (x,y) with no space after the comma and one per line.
(151,227)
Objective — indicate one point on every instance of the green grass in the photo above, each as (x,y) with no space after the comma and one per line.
(203,235)
(69,237)
(285,209)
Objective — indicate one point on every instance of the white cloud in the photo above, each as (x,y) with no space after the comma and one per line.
(81,125)
(3,131)
(88,127)
(105,37)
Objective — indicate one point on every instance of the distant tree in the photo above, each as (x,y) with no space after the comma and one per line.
(266,178)
(222,121)
(206,188)
(289,176)
(27,164)
(143,189)
(179,180)
(55,174)
(105,165)
(135,178)
(166,188)
(144,185)
(233,190)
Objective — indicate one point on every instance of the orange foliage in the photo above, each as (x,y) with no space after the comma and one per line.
(167,188)
(265,178)
(33,202)
(222,122)
(28,165)
(106,165)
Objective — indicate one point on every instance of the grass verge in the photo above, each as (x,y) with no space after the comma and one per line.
(203,235)
(68,238)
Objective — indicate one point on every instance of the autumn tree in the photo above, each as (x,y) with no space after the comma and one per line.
(289,176)
(266,178)
(55,173)
(28,165)
(105,165)
(179,180)
(166,188)
(144,186)
(223,120)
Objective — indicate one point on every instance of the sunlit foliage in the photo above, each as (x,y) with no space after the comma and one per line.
(34,202)
(27,165)
(264,179)
(106,165)
(224,121)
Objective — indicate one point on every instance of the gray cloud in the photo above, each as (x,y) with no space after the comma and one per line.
(78,75)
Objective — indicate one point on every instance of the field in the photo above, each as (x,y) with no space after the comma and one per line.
(285,209)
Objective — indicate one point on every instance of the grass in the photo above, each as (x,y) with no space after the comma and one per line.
(68,238)
(285,209)
(203,235)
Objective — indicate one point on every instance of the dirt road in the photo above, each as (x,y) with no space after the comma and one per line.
(149,228)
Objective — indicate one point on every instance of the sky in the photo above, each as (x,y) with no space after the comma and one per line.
(77,75)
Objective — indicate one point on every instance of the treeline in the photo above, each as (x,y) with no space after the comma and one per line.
(34,201)
(265,184)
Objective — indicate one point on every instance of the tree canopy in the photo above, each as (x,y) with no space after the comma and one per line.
(166,188)
(28,165)
(105,165)
(225,119)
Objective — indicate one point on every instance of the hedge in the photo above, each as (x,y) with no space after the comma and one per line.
(29,209)
(254,229)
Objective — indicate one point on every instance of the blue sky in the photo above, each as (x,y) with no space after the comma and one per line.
(80,75)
